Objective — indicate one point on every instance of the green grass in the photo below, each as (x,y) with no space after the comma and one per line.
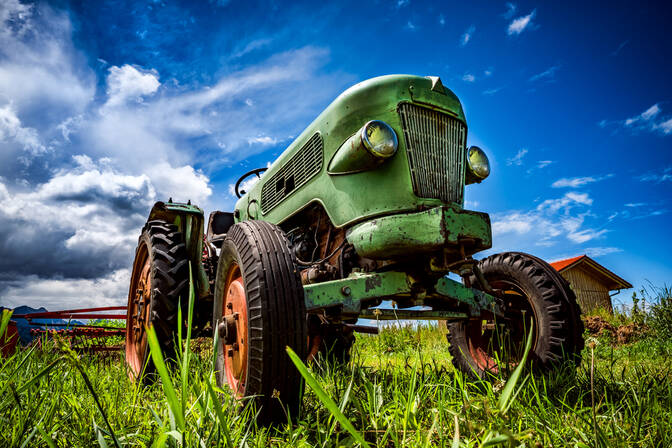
(399,390)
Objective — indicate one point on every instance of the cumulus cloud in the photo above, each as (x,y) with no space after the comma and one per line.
(106,154)
(58,293)
(519,24)
(12,130)
(468,77)
(549,222)
(128,83)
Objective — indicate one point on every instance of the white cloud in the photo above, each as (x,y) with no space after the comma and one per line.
(546,225)
(646,121)
(11,129)
(466,37)
(251,47)
(544,163)
(595,252)
(647,115)
(665,127)
(442,20)
(59,293)
(402,3)
(518,158)
(547,75)
(576,182)
(519,24)
(262,140)
(410,26)
(468,77)
(491,91)
(657,177)
(128,83)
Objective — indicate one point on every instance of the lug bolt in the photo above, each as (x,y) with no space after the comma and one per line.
(346,290)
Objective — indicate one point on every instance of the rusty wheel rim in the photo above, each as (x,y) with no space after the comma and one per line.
(137,317)
(485,338)
(233,330)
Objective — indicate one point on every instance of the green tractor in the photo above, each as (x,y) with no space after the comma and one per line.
(365,206)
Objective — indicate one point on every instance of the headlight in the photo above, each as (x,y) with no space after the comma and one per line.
(478,164)
(379,139)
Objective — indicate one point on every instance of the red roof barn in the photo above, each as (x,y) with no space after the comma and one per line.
(590,281)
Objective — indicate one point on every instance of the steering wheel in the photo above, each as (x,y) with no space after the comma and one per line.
(257,172)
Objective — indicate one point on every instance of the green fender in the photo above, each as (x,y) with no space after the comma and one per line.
(189,219)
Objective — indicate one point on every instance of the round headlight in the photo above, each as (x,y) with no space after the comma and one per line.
(379,139)
(479,165)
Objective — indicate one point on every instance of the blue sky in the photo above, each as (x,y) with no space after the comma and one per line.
(106,107)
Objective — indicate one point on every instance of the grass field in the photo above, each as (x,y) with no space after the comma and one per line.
(399,390)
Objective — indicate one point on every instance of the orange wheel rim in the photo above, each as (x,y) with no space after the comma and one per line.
(482,340)
(234,315)
(137,314)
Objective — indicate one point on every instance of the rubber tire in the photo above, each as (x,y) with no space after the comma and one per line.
(557,320)
(170,285)
(276,316)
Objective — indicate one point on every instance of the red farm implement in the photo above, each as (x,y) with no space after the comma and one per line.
(79,336)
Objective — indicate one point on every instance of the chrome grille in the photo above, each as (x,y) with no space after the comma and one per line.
(435,144)
(306,163)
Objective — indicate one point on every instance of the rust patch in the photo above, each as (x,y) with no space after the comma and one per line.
(373,283)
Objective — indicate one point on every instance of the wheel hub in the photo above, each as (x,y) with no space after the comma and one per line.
(233,331)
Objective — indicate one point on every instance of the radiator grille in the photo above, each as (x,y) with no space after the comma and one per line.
(435,144)
(306,163)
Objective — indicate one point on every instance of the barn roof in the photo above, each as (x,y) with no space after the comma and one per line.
(608,278)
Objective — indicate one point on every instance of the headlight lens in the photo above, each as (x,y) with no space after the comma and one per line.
(479,165)
(379,139)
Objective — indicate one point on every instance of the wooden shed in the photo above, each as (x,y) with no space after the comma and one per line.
(590,281)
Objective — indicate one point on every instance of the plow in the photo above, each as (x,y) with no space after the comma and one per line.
(81,337)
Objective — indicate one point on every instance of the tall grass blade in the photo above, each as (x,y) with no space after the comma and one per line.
(325,398)
(6,315)
(217,405)
(168,388)
(509,387)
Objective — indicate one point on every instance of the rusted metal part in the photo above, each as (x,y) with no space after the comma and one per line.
(348,293)
(234,330)
(423,232)
(362,328)
(84,313)
(477,300)
(395,314)
(9,340)
(80,337)
(137,314)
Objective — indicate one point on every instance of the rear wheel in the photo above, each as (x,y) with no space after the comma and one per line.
(159,280)
(258,311)
(532,292)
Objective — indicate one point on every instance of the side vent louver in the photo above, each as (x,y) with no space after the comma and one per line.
(305,164)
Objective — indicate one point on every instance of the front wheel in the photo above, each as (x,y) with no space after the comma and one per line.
(259,310)
(533,292)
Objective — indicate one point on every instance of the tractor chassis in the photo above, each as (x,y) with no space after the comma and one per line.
(351,297)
